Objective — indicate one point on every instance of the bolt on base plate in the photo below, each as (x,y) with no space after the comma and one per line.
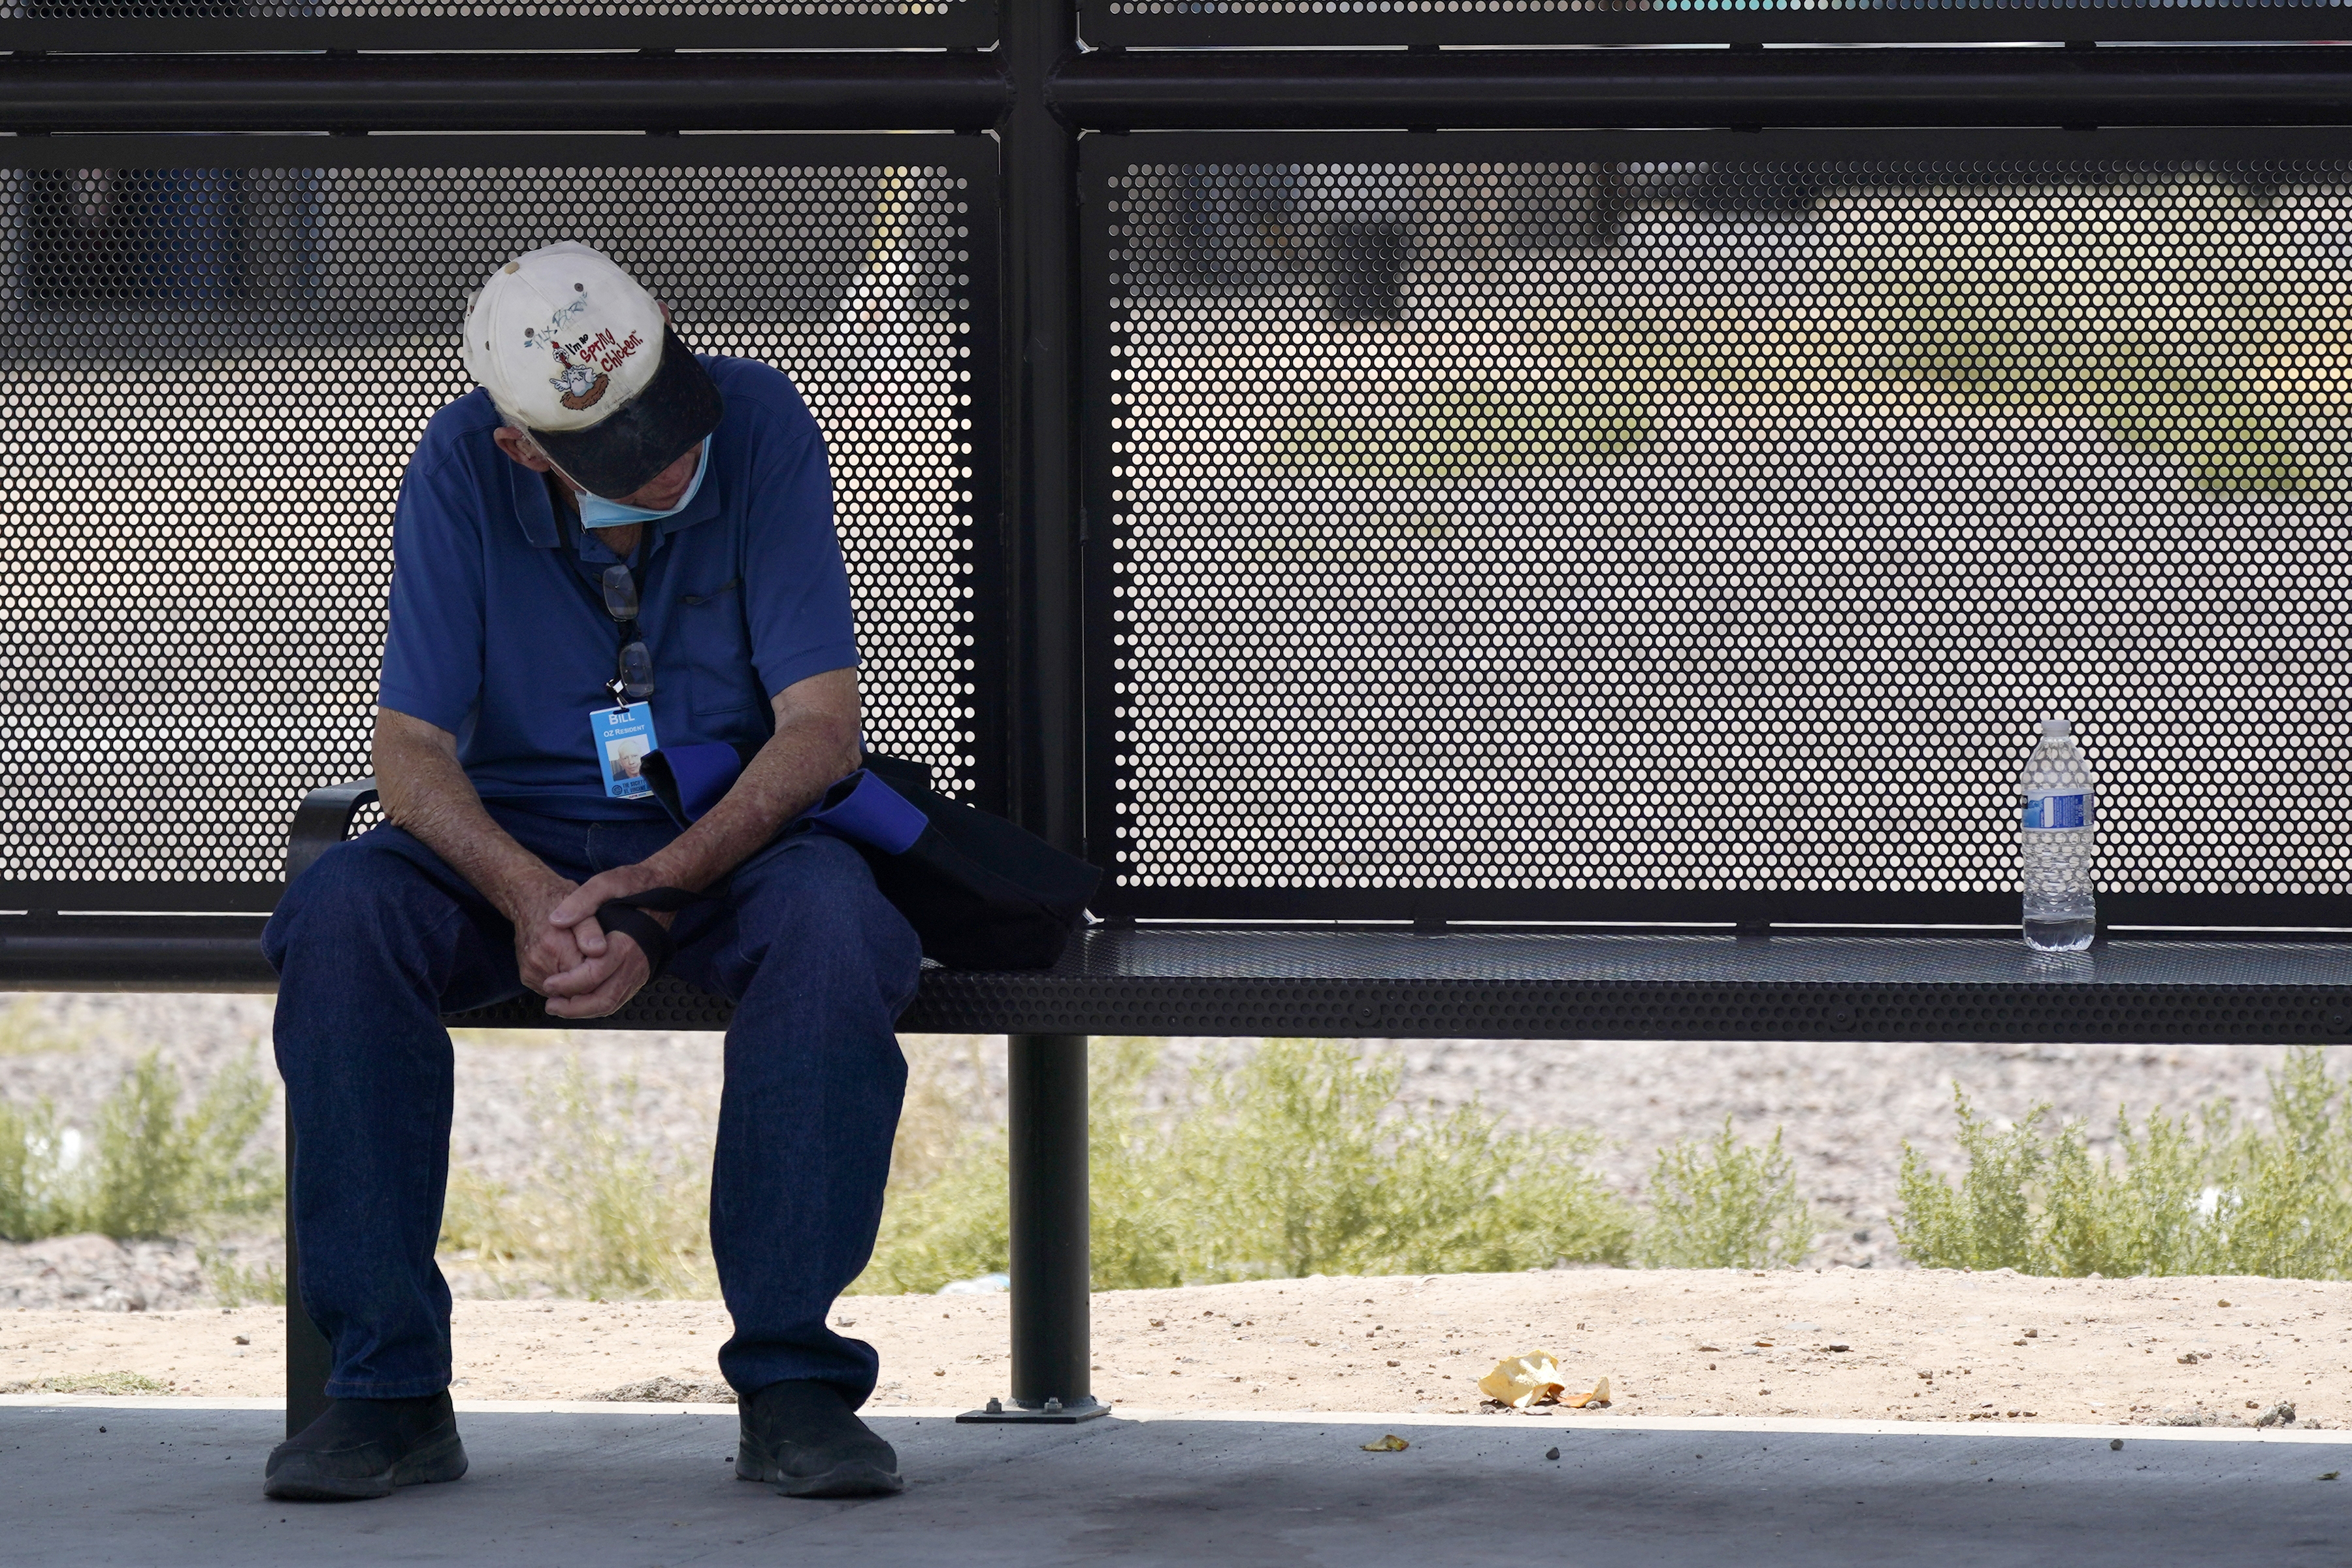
(1053,1413)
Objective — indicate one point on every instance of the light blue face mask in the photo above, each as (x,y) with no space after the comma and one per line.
(595,512)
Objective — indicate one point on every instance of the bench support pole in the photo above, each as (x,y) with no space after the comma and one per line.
(308,1358)
(1046,1080)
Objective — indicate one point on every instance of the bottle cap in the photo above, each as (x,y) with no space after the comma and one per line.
(2057,727)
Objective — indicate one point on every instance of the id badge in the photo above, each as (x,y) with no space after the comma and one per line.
(624,736)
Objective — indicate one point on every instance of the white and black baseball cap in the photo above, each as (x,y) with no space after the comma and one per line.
(572,349)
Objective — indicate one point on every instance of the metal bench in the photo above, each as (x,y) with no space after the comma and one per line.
(1398,981)
(1524,580)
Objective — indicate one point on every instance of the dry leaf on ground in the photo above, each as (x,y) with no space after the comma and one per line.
(1520,1380)
(1392,1444)
(1534,1379)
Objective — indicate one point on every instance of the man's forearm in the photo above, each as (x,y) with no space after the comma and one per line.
(801,760)
(426,792)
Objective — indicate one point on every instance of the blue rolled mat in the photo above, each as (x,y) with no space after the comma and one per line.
(864,810)
(691,780)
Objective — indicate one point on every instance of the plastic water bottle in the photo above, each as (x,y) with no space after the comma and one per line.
(2062,822)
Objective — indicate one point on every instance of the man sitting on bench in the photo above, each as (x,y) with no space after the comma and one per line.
(614,545)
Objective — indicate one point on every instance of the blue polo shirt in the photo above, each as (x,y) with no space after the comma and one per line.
(742,594)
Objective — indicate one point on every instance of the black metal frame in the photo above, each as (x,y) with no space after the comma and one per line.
(967,25)
(1037,89)
(1524,89)
(647,90)
(1171,24)
(976,23)
(1054,90)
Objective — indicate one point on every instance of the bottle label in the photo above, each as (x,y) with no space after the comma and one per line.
(2056,813)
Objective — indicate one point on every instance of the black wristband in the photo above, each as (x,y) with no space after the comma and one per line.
(642,929)
(668,900)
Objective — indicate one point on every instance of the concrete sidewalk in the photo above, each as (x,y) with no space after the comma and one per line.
(119,1482)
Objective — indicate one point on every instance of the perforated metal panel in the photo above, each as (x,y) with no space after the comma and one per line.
(1326,23)
(1690,527)
(211,378)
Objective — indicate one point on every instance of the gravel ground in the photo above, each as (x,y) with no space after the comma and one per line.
(1846,1107)
(1923,1344)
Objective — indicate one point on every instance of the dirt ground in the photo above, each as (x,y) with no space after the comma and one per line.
(1926,1343)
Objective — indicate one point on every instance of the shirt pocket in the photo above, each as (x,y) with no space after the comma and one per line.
(718,649)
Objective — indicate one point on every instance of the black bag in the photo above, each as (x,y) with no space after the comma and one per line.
(981,892)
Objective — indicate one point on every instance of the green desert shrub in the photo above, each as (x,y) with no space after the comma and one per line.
(597,1216)
(146,1169)
(1718,1204)
(2208,1195)
(1301,1161)
(237,1284)
(1304,1161)
(947,1216)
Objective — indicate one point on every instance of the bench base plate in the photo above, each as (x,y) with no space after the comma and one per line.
(1054,1414)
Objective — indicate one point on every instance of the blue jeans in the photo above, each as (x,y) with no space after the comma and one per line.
(379,939)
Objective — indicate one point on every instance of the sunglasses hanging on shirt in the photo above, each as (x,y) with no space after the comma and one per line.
(633,665)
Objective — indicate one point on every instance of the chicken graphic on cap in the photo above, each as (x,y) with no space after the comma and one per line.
(583,385)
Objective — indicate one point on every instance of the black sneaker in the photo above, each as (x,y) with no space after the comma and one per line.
(802,1438)
(365,1447)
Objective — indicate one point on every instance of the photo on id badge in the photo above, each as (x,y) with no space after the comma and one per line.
(624,736)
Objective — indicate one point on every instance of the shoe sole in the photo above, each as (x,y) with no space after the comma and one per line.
(298,1481)
(852,1478)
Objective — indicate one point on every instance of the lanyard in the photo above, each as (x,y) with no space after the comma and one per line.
(632,660)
